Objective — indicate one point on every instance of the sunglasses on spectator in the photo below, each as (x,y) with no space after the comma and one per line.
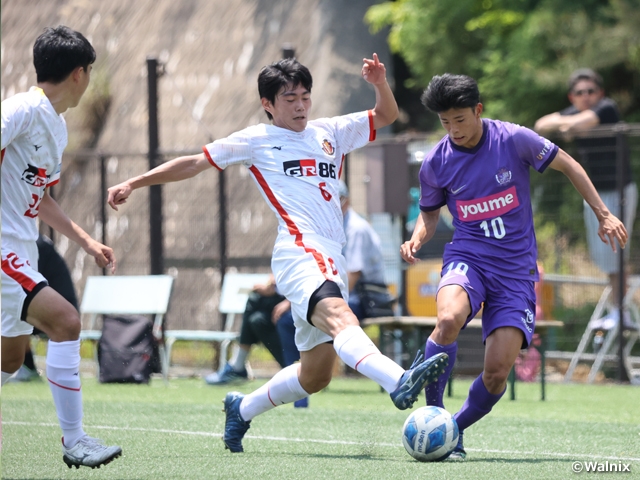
(586,91)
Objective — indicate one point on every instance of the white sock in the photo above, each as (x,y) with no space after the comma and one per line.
(283,388)
(63,364)
(357,350)
(6,376)
(239,359)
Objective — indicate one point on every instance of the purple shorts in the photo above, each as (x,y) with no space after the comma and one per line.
(508,302)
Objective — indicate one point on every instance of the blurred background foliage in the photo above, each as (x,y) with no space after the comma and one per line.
(521,52)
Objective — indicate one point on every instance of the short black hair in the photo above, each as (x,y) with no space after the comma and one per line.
(286,72)
(59,51)
(585,74)
(448,91)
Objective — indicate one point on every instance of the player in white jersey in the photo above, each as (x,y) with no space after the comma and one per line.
(296,165)
(34,135)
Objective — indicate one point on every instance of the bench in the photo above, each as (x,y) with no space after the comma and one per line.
(233,300)
(419,329)
(126,295)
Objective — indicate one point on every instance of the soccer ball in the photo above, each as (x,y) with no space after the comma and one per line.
(430,434)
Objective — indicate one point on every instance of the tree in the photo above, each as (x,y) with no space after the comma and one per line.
(520,51)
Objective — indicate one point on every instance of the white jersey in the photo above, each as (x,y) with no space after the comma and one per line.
(33,139)
(298,172)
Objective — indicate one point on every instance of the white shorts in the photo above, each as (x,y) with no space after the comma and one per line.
(601,253)
(19,277)
(299,269)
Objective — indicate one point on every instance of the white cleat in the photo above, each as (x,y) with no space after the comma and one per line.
(89,452)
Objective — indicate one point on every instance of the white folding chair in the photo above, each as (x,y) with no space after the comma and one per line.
(127,295)
(233,300)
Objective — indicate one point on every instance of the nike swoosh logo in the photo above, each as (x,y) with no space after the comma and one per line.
(277,148)
(455,192)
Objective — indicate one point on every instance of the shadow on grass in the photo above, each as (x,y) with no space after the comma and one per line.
(377,458)
(362,456)
(515,460)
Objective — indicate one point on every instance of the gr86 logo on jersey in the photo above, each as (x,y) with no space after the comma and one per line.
(309,168)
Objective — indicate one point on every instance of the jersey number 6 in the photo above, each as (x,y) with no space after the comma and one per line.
(325,194)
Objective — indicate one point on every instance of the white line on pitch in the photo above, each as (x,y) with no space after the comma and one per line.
(330,442)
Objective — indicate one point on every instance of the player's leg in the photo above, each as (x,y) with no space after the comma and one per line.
(52,314)
(460,295)
(315,369)
(56,317)
(13,350)
(332,315)
(287,333)
(20,283)
(502,349)
(453,310)
(508,323)
(292,383)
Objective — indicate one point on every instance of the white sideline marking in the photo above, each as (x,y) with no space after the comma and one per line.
(329,442)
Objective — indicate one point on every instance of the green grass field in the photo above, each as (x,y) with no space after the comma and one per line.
(350,431)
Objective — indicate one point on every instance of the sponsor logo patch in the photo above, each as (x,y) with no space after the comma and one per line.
(487,207)
(308,168)
(35,176)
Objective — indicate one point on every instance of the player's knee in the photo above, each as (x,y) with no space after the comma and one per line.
(11,364)
(447,328)
(317,383)
(495,379)
(66,326)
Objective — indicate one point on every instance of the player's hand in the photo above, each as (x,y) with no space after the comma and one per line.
(408,250)
(265,289)
(373,71)
(102,254)
(611,228)
(118,194)
(279,310)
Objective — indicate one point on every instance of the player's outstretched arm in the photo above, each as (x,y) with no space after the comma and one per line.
(423,232)
(386,110)
(175,170)
(610,227)
(52,214)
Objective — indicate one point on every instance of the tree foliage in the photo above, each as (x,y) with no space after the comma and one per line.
(521,52)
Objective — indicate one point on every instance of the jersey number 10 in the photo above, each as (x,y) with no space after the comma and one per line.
(497,225)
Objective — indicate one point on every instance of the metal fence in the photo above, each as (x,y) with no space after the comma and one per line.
(195,213)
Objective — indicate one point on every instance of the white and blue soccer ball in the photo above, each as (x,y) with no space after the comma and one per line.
(430,434)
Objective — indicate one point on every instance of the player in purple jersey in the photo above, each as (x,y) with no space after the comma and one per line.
(480,171)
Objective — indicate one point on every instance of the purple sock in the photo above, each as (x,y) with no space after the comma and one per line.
(477,405)
(434,392)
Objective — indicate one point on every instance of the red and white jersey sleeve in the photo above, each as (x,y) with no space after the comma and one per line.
(298,172)
(234,149)
(34,137)
(354,131)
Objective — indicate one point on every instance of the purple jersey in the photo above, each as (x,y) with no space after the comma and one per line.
(486,189)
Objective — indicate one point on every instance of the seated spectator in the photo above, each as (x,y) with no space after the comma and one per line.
(363,252)
(589,108)
(264,308)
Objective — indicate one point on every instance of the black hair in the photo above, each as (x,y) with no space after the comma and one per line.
(287,72)
(585,74)
(59,51)
(448,91)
